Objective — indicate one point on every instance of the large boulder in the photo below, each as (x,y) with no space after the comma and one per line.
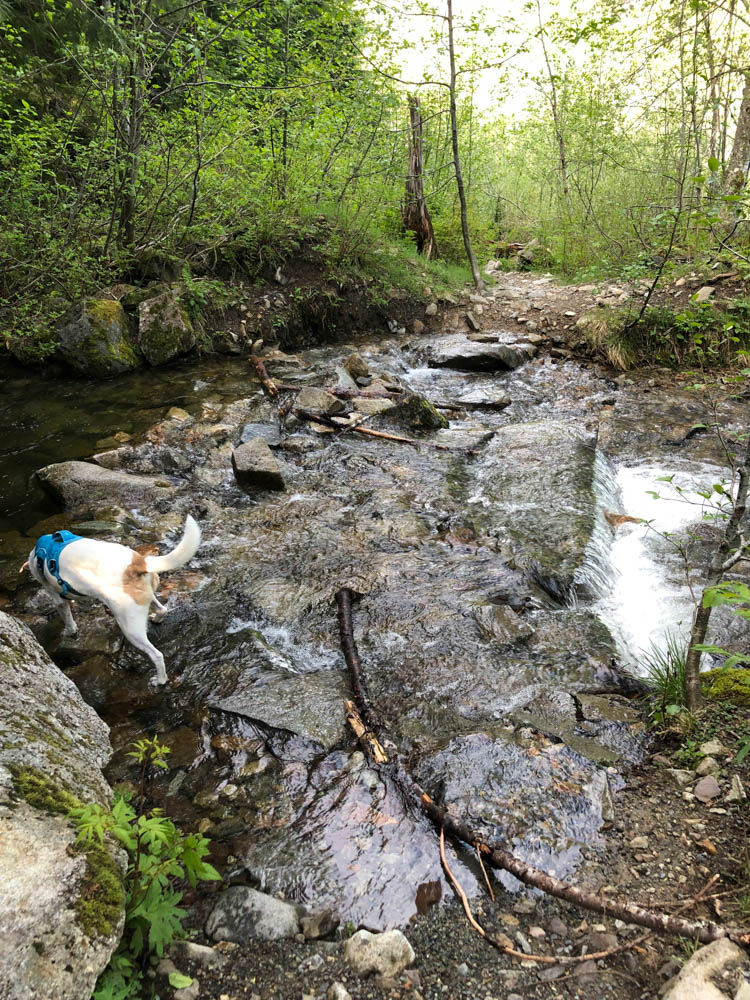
(62,904)
(164,328)
(467,355)
(83,487)
(94,339)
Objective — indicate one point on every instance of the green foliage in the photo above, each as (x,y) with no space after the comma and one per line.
(665,669)
(698,335)
(159,856)
(688,754)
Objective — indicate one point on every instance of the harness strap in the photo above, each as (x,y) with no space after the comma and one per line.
(47,551)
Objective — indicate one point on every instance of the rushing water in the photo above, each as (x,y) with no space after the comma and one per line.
(494,593)
(649,596)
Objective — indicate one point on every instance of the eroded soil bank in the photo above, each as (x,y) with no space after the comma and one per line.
(482,565)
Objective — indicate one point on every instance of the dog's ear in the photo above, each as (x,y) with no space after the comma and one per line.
(25,566)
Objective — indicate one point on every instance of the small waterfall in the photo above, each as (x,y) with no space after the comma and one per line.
(647,596)
(594,577)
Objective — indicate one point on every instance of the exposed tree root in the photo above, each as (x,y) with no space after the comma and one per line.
(499,858)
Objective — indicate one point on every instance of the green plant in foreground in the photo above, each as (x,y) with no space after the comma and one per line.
(159,854)
(665,669)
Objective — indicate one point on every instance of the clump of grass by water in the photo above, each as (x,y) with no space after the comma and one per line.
(665,670)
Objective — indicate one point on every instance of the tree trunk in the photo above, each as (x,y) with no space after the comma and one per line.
(415,216)
(478,283)
(728,549)
(735,175)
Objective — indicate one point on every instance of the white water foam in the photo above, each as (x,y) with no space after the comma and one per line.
(644,605)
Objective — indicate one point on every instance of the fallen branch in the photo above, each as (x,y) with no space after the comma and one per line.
(498,857)
(265,381)
(322,418)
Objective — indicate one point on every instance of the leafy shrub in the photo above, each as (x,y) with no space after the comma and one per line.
(159,854)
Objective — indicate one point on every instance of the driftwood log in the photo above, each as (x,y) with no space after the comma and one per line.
(493,854)
(265,381)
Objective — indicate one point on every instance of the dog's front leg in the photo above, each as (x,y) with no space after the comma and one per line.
(70,628)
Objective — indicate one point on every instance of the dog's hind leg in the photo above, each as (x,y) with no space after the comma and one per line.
(133,622)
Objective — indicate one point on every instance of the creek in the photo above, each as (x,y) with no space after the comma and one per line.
(498,605)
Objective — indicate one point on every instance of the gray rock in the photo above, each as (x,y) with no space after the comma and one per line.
(319,924)
(83,487)
(711,748)
(337,991)
(255,467)
(431,309)
(269,432)
(471,321)
(736,791)
(708,965)
(164,328)
(243,913)
(370,406)
(320,401)
(52,749)
(94,339)
(201,954)
(385,954)
(707,789)
(297,703)
(707,766)
(191,992)
(681,776)
(479,399)
(639,843)
(467,355)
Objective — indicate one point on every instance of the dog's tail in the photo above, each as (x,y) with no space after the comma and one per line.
(184,552)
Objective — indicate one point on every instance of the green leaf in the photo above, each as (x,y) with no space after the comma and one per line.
(742,753)
(713,164)
(179,981)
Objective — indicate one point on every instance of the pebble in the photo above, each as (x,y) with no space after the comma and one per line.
(462,970)
(737,791)
(639,843)
(707,766)
(557,927)
(707,789)
(337,991)
(711,748)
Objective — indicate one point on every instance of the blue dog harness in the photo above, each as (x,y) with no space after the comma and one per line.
(47,556)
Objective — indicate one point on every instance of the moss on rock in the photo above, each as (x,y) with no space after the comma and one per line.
(727,684)
(101,896)
(94,339)
(164,328)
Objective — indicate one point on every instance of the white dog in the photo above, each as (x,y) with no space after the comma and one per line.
(68,566)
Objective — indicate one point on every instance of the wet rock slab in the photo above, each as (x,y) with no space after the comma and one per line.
(468,355)
(83,487)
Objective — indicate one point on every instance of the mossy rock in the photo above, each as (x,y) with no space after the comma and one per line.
(413,412)
(727,684)
(164,328)
(94,339)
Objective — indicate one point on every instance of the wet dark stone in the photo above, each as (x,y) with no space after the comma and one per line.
(255,468)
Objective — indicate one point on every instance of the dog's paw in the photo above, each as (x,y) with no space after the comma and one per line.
(70,633)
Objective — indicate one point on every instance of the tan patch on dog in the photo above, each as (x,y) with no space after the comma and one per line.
(135,582)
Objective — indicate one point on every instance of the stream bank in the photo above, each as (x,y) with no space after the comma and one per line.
(480,567)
